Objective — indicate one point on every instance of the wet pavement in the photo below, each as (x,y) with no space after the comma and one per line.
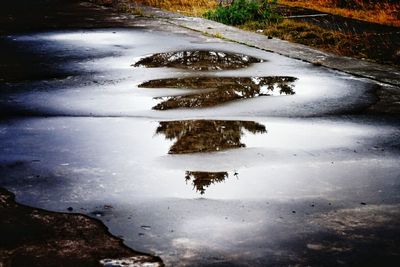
(290,166)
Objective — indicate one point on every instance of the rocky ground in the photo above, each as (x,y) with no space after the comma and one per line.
(34,237)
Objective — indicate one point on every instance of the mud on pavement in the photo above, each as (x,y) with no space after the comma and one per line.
(34,237)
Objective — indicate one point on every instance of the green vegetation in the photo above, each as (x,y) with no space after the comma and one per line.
(242,11)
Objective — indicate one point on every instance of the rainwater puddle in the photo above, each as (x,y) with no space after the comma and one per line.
(198,60)
(219,90)
(192,136)
(152,167)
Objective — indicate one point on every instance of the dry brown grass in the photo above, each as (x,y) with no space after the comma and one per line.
(367,45)
(187,7)
(308,34)
(383,12)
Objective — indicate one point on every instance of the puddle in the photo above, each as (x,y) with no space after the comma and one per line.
(198,60)
(98,129)
(219,90)
(193,136)
(202,180)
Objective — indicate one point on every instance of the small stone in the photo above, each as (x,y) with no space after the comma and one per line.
(70,209)
(315,246)
(363,203)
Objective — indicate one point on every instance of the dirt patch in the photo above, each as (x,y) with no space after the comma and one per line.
(34,237)
(202,180)
(218,90)
(198,60)
(194,136)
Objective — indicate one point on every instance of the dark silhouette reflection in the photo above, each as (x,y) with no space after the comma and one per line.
(218,90)
(202,180)
(198,60)
(193,136)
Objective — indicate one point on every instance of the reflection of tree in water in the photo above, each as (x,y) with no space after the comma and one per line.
(197,60)
(194,136)
(220,90)
(202,180)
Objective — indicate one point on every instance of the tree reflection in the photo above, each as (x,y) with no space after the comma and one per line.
(198,60)
(193,136)
(219,90)
(202,180)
